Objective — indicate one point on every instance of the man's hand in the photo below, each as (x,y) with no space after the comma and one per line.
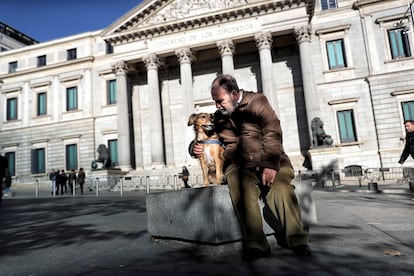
(198,150)
(268,176)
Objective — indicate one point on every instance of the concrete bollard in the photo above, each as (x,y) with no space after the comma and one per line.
(373,186)
(37,187)
(97,187)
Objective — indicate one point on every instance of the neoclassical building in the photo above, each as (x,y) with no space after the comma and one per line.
(132,86)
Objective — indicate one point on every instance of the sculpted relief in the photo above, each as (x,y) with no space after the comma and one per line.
(185,8)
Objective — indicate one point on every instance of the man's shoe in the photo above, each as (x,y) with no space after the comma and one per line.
(302,250)
(252,254)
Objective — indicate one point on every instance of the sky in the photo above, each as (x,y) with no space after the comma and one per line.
(45,20)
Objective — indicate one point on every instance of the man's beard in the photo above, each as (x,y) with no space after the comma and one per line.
(230,111)
(224,112)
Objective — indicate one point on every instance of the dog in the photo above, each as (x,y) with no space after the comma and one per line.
(212,160)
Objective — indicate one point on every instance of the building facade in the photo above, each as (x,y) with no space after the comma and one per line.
(11,38)
(132,86)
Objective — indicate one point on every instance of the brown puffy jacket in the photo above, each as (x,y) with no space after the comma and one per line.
(260,141)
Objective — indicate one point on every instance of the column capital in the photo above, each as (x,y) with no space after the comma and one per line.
(152,62)
(226,47)
(184,55)
(303,33)
(263,40)
(120,68)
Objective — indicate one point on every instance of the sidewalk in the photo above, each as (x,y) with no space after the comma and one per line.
(386,188)
(357,234)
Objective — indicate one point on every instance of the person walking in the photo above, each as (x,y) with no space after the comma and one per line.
(184,176)
(256,166)
(408,172)
(409,142)
(81,179)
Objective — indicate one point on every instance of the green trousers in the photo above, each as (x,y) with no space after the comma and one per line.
(281,208)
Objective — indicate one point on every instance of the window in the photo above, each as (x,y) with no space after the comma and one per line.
(11,162)
(346,126)
(38,161)
(336,54)
(111,91)
(71,54)
(408,110)
(399,44)
(71,157)
(113,151)
(41,104)
(12,67)
(71,98)
(41,61)
(11,109)
(109,48)
(328,4)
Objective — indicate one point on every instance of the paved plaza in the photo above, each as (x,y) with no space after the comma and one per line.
(358,233)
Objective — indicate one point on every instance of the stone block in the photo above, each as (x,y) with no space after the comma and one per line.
(206,214)
(203,215)
(105,179)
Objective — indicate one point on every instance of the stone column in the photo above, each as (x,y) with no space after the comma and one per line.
(152,63)
(226,48)
(303,37)
(264,44)
(124,153)
(185,57)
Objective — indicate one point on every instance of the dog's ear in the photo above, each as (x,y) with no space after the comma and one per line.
(192,119)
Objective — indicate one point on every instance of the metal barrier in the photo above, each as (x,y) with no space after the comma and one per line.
(328,178)
(357,174)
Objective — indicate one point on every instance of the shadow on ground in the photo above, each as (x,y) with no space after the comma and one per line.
(32,224)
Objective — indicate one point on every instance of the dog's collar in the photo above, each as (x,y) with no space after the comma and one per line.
(212,142)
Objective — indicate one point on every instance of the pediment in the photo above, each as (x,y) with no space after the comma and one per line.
(166,16)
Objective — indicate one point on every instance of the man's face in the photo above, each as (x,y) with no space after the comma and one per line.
(409,127)
(225,102)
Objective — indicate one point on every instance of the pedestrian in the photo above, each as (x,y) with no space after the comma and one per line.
(81,179)
(72,180)
(256,166)
(409,141)
(53,177)
(62,179)
(184,176)
(7,182)
(3,168)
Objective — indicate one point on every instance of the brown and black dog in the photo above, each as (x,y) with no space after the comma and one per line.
(212,159)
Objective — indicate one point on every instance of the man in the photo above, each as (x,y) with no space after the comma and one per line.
(409,141)
(62,182)
(3,167)
(53,177)
(81,179)
(72,180)
(256,166)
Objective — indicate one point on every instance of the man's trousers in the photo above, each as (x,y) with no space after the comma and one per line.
(280,203)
